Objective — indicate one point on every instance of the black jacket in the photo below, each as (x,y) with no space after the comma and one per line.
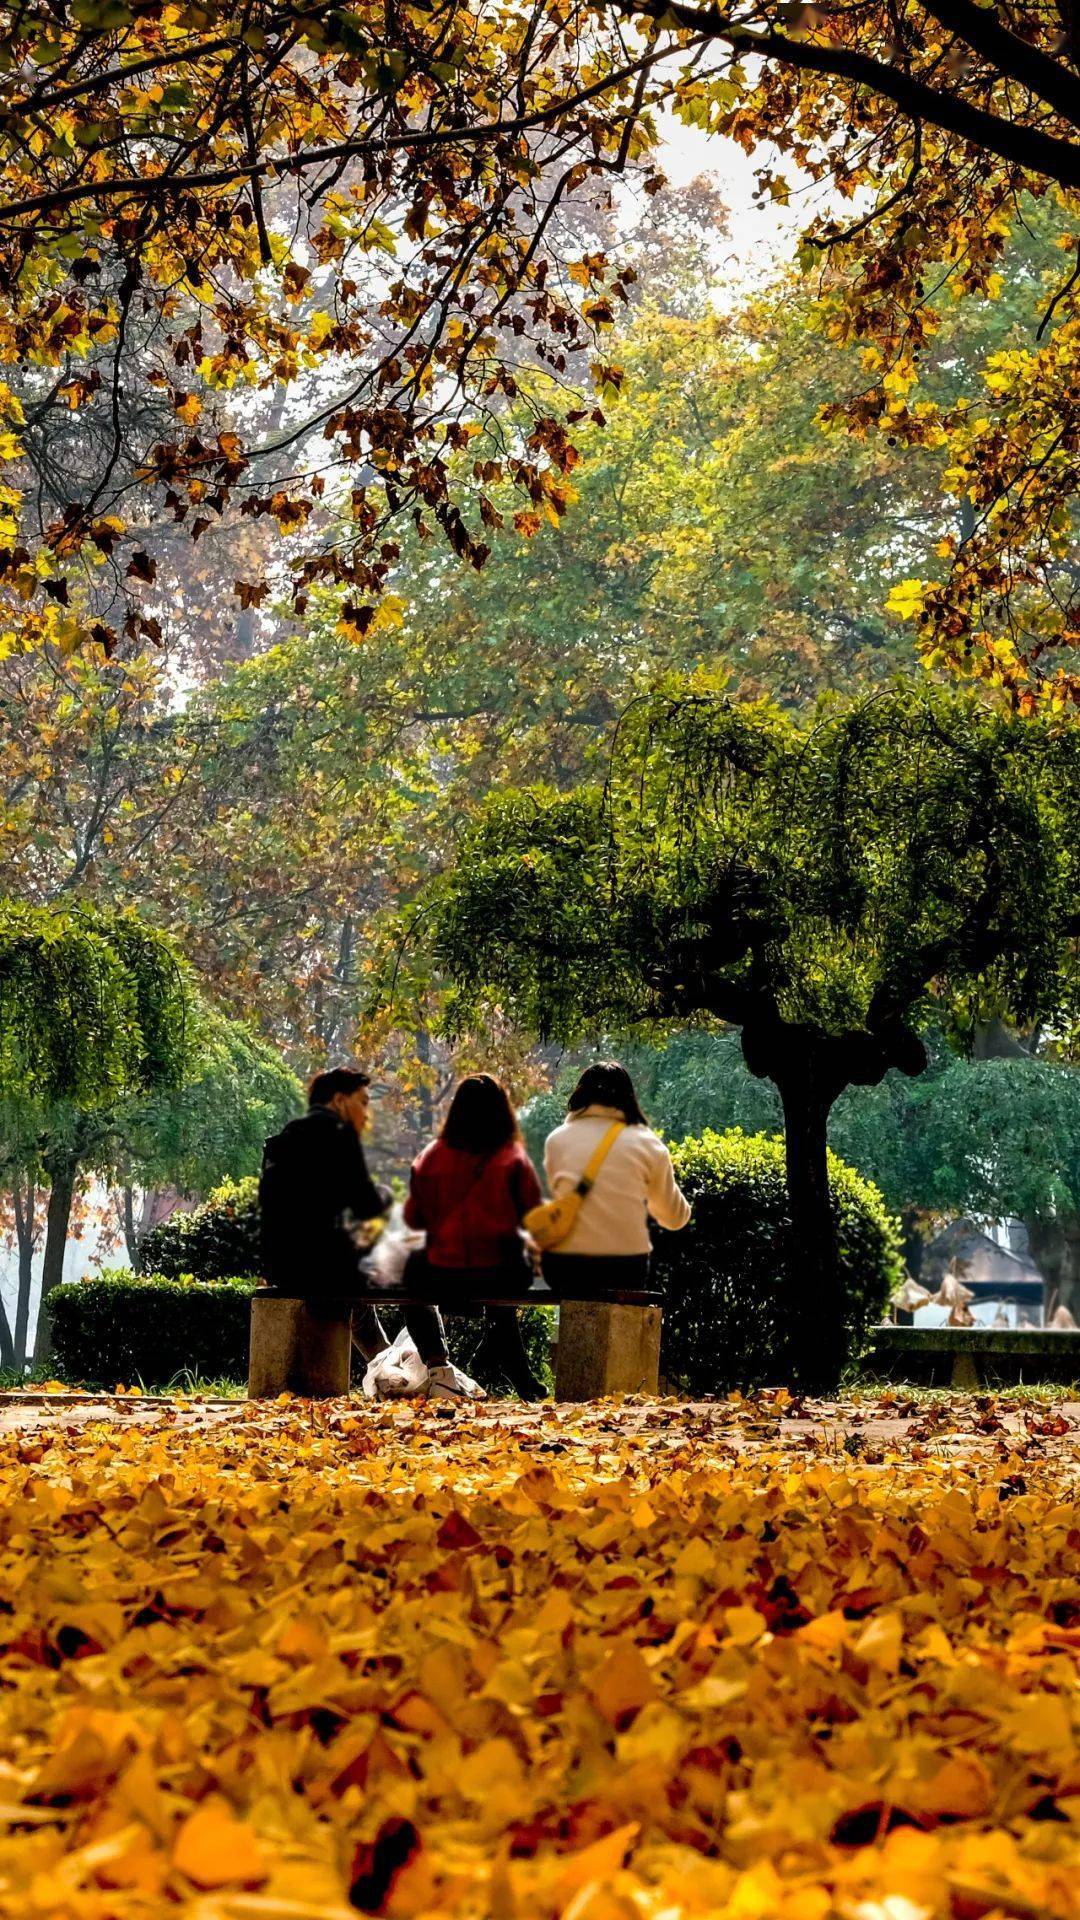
(314,1184)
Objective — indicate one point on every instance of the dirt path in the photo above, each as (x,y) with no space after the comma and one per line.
(864,1430)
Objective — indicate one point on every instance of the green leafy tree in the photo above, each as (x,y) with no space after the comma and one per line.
(817,886)
(718,518)
(94,1011)
(210,1128)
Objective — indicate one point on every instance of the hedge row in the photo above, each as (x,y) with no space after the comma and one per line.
(723,1309)
(122,1328)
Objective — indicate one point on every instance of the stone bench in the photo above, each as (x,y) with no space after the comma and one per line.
(973,1357)
(609,1343)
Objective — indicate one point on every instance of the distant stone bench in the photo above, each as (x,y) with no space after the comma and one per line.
(973,1357)
(609,1343)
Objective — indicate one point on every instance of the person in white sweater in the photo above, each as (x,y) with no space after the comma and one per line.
(609,1243)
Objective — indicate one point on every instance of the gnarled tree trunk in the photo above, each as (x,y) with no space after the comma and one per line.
(817,1342)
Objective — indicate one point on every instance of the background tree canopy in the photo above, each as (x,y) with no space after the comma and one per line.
(293,800)
(354,214)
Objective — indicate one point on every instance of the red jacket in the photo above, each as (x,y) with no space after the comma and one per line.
(470,1204)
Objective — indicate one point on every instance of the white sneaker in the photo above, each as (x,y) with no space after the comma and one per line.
(449,1383)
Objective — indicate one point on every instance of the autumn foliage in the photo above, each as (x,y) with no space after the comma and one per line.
(287,266)
(603,1665)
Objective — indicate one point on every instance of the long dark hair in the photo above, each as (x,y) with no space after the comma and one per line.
(606,1084)
(480,1118)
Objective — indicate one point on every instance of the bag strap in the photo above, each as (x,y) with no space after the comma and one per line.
(588,1178)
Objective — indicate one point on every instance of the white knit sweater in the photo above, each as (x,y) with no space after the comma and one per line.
(636,1179)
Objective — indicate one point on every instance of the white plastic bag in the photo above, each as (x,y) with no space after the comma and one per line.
(385,1264)
(398,1373)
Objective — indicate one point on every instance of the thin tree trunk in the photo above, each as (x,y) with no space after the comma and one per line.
(25,1210)
(7,1343)
(815,1316)
(130,1234)
(62,1173)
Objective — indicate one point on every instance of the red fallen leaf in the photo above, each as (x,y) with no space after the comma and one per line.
(1051,1428)
(457,1535)
(782,1608)
(862,1826)
(377,1864)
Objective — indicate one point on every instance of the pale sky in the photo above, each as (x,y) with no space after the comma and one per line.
(761,232)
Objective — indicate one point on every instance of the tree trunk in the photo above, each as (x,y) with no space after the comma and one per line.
(130,1234)
(994,1041)
(7,1343)
(62,1175)
(25,1210)
(817,1340)
(1055,1249)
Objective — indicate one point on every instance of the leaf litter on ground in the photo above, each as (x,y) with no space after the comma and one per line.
(635,1661)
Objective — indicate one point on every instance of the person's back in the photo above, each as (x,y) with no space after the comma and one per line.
(471,1204)
(609,1242)
(469,1192)
(636,1182)
(314,1186)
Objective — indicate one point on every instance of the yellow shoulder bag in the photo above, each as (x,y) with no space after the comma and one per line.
(551,1221)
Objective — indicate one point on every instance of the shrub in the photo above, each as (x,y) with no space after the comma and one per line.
(123,1327)
(216,1241)
(724,1275)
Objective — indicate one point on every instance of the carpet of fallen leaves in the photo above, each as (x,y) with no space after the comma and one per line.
(626,1662)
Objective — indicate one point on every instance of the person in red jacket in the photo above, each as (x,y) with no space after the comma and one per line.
(469,1192)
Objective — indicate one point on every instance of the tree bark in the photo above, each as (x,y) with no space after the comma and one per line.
(130,1233)
(25,1209)
(817,1345)
(7,1343)
(62,1175)
(1055,1249)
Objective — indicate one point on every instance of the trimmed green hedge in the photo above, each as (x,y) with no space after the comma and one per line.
(723,1274)
(216,1241)
(120,1328)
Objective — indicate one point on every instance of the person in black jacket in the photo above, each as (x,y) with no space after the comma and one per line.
(315,1193)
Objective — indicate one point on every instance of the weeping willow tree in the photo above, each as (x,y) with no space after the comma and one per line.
(818,886)
(95,1010)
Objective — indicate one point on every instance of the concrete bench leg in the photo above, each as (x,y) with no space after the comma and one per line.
(966,1373)
(606,1349)
(295,1349)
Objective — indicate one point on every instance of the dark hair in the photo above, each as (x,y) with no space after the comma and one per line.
(326,1086)
(606,1084)
(480,1118)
